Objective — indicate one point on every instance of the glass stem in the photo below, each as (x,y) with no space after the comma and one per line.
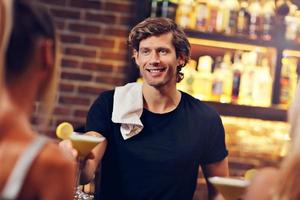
(80,165)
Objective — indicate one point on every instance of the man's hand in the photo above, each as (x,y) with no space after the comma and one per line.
(66,146)
(215,169)
(91,161)
(92,155)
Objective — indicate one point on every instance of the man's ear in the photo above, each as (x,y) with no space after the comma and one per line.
(135,56)
(180,60)
(47,56)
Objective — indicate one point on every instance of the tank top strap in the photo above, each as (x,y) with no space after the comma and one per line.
(16,179)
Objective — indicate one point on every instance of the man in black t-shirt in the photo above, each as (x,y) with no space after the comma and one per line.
(180,133)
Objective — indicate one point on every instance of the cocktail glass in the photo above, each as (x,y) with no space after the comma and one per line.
(231,188)
(83,144)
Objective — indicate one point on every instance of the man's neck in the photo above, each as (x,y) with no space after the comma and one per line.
(159,100)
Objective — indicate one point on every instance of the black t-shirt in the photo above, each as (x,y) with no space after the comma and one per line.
(162,161)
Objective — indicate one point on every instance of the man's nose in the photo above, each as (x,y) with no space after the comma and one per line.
(154,59)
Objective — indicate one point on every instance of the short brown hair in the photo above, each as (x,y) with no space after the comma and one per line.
(155,26)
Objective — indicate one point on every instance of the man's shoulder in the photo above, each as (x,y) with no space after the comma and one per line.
(199,106)
(105,95)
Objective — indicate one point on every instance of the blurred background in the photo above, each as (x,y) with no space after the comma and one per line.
(244,63)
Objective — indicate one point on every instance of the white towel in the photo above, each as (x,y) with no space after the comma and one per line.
(128,108)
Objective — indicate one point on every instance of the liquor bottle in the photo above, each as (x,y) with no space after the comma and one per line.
(163,8)
(243,19)
(189,71)
(203,78)
(222,81)
(292,23)
(237,73)
(297,15)
(262,85)
(185,15)
(217,86)
(288,80)
(213,9)
(255,11)
(221,18)
(169,9)
(249,60)
(268,17)
(226,69)
(155,8)
(231,8)
(201,11)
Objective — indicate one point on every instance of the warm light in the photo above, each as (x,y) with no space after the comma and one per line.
(259,138)
(291,53)
(227,45)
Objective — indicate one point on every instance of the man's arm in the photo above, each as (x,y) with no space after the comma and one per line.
(215,169)
(92,160)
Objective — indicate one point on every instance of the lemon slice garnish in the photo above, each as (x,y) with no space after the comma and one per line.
(64,130)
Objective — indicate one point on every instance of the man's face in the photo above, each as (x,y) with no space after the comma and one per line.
(157,60)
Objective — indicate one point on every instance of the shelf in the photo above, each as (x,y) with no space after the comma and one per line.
(282,44)
(273,113)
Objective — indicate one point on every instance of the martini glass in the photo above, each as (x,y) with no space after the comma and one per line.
(83,144)
(230,188)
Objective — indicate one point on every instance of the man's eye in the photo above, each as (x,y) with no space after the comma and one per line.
(145,52)
(163,51)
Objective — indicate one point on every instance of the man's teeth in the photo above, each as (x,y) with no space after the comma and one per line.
(155,70)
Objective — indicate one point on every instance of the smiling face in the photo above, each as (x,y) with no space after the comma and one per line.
(157,61)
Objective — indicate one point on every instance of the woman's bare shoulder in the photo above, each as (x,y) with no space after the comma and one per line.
(53,156)
(51,169)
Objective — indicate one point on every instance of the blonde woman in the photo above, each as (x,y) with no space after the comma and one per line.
(5,27)
(32,167)
(282,183)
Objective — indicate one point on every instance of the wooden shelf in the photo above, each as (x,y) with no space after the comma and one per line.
(282,44)
(273,113)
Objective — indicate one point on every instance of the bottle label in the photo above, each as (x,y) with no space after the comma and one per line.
(217,88)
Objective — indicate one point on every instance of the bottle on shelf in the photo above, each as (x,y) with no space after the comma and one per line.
(155,8)
(288,80)
(292,26)
(262,85)
(201,11)
(243,19)
(268,17)
(222,81)
(231,8)
(297,15)
(237,73)
(255,11)
(185,14)
(249,60)
(169,8)
(213,9)
(163,8)
(292,22)
(189,71)
(203,78)
(221,18)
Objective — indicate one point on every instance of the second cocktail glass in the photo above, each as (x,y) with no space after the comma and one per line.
(83,144)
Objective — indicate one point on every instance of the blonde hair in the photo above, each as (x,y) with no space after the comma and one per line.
(289,174)
(49,96)
(33,22)
(5,28)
